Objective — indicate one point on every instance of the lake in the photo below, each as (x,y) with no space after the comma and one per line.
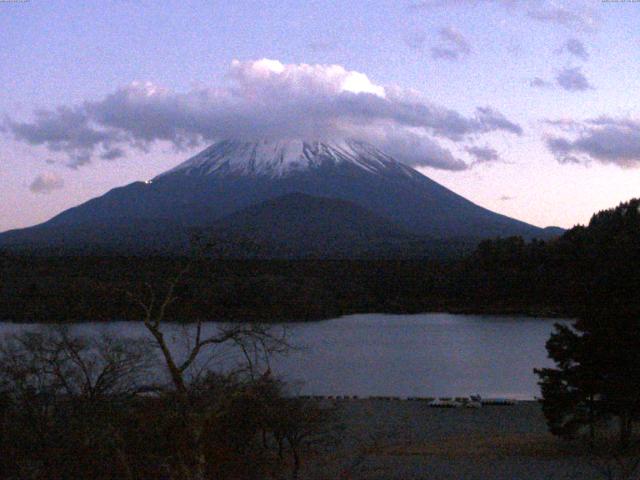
(433,354)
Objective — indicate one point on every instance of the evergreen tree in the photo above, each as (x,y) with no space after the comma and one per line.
(597,374)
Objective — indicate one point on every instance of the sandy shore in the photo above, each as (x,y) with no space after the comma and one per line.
(410,440)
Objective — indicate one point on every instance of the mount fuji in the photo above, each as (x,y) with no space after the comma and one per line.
(309,195)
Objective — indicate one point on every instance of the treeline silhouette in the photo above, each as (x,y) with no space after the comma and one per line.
(588,266)
(592,392)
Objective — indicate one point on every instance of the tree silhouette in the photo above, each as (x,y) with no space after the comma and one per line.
(597,374)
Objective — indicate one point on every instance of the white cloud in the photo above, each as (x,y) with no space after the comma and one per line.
(263,98)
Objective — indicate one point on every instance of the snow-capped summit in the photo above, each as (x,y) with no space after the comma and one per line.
(281,158)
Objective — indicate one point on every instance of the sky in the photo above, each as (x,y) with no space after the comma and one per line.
(527,107)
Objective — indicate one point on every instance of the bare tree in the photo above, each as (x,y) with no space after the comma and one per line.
(59,385)
(53,362)
(305,427)
(256,342)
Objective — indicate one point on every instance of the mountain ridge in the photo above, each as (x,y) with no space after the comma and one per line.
(297,225)
(233,175)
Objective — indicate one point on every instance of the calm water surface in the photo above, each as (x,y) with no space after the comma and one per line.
(399,355)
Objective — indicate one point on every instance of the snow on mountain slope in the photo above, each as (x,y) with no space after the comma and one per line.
(276,159)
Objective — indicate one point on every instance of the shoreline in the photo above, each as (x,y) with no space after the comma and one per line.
(414,441)
(537,314)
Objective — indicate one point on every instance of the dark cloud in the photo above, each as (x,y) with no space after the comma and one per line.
(62,129)
(455,38)
(453,45)
(445,53)
(538,82)
(264,99)
(605,140)
(113,154)
(483,154)
(46,183)
(573,14)
(491,120)
(417,150)
(576,48)
(429,4)
(79,159)
(67,130)
(573,80)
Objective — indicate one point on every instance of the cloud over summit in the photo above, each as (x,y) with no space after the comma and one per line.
(267,99)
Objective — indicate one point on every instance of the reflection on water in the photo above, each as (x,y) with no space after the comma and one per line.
(397,355)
